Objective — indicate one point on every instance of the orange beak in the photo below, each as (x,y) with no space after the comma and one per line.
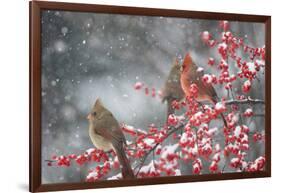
(89,116)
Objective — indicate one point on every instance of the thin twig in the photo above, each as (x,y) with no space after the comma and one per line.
(47,160)
(223,168)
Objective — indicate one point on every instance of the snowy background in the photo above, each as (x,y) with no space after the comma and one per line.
(87,55)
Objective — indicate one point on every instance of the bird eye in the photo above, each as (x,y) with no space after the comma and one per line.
(94,113)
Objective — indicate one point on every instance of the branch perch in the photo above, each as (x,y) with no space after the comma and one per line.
(245,101)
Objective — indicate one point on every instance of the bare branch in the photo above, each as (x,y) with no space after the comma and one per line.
(245,101)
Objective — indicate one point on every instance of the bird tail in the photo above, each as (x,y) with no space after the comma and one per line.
(170,109)
(125,165)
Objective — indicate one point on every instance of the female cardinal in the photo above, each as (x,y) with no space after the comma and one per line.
(106,134)
(190,75)
(172,89)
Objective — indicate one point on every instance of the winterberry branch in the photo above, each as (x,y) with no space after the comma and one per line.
(245,101)
(143,159)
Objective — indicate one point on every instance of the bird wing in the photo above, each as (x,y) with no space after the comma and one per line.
(108,127)
(204,89)
(173,88)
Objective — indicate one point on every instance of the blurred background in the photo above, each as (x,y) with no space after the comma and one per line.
(88,55)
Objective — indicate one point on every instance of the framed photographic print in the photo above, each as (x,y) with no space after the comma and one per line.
(123,96)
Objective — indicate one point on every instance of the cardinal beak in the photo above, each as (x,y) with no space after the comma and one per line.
(89,116)
(181,68)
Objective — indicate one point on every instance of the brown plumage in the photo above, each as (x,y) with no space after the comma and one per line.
(172,89)
(191,75)
(106,134)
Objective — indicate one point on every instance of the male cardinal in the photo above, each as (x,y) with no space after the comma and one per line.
(106,134)
(172,89)
(190,75)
